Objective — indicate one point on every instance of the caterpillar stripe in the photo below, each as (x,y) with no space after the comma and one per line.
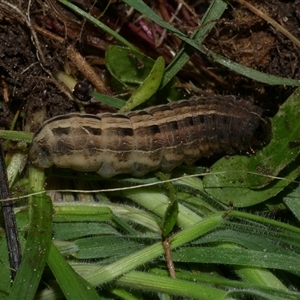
(160,137)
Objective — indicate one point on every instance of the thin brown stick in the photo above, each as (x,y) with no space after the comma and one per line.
(229,210)
(86,69)
(48,34)
(5,92)
(168,253)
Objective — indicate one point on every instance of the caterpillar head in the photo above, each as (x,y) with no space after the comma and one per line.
(262,134)
(39,153)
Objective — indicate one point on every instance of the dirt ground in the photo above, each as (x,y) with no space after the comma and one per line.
(33,49)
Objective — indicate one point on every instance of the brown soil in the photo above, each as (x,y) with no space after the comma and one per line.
(27,82)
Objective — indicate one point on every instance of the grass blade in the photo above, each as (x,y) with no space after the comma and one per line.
(38,241)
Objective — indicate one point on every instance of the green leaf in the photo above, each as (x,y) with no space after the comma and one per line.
(157,202)
(5,273)
(106,246)
(237,256)
(171,215)
(80,213)
(148,88)
(111,101)
(277,155)
(258,242)
(94,212)
(127,66)
(237,287)
(132,261)
(227,182)
(18,136)
(187,289)
(38,241)
(72,285)
(63,231)
(250,73)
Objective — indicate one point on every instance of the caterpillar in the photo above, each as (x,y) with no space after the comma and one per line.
(159,137)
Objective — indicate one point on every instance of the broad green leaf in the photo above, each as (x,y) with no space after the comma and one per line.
(127,66)
(228,182)
(149,86)
(277,155)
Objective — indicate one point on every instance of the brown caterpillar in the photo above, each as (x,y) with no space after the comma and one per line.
(160,137)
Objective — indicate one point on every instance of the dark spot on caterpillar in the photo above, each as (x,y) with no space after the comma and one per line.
(173,125)
(153,129)
(189,121)
(201,119)
(61,131)
(64,147)
(91,148)
(41,153)
(125,132)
